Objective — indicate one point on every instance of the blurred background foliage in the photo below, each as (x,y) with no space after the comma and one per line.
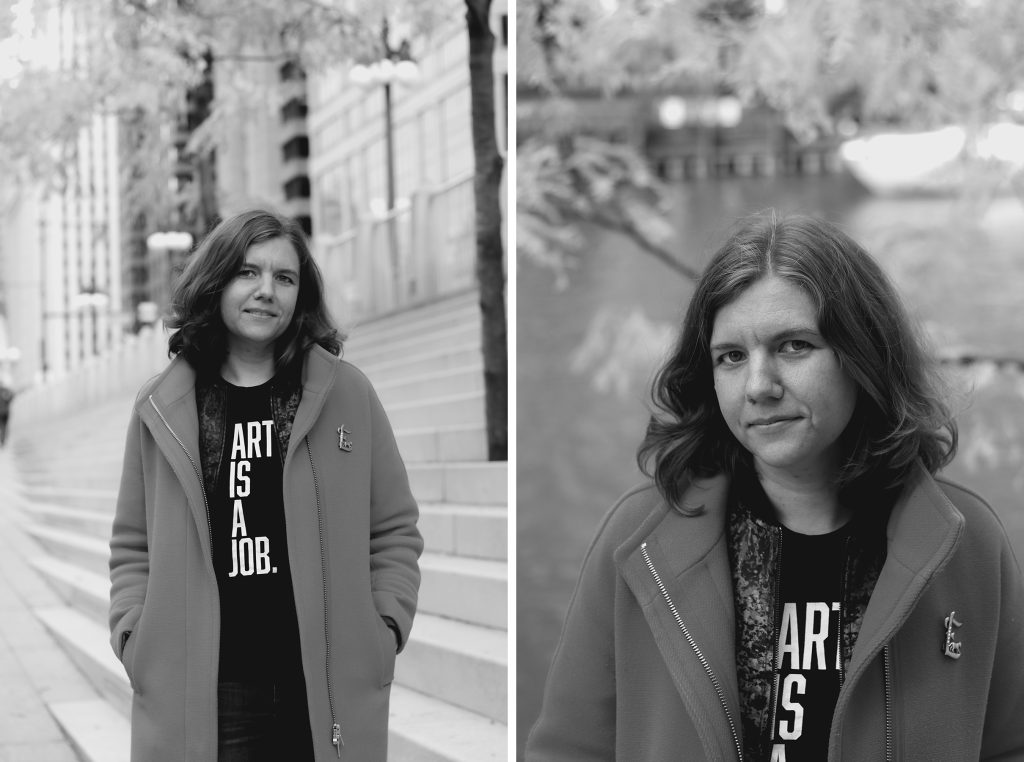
(915,64)
(142,58)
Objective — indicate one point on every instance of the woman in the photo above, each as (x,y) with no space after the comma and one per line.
(263,562)
(796,584)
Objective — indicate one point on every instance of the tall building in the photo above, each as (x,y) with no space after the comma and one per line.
(356,186)
(316,149)
(60,237)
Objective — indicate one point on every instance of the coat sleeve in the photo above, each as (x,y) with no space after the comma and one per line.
(395,541)
(1003,738)
(129,549)
(577,717)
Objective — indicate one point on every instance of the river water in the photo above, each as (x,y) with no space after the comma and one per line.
(586,353)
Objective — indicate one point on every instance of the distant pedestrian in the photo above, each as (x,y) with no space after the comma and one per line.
(6,397)
(795,582)
(264,558)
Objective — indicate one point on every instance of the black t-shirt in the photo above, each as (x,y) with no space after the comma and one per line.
(808,659)
(259,628)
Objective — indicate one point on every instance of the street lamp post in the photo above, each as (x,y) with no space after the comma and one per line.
(394,67)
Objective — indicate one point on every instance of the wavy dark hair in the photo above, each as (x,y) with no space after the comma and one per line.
(900,415)
(199,332)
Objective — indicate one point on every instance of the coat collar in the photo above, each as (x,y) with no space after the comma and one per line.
(319,369)
(176,384)
(691,557)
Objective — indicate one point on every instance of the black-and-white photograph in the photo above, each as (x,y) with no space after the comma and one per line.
(253,380)
(770,380)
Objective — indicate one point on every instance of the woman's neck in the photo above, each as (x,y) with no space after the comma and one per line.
(807,504)
(242,369)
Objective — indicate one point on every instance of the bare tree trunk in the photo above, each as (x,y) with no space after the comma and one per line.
(490,266)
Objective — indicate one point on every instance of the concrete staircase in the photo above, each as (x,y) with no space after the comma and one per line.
(449,699)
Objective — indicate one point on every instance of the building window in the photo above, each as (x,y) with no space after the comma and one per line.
(297,187)
(296,148)
(295,108)
(291,71)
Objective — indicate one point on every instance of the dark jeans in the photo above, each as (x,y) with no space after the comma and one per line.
(265,721)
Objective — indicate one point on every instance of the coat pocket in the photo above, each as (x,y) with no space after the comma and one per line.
(387,648)
(128,656)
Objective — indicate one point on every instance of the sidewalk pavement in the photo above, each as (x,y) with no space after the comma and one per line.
(34,670)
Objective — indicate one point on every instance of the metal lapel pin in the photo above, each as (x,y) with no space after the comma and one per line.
(952,646)
(344,444)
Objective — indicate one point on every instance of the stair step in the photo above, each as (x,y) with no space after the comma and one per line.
(98,478)
(424,729)
(438,383)
(449,310)
(462,664)
(88,522)
(89,553)
(83,590)
(464,408)
(465,530)
(467,589)
(87,644)
(398,366)
(69,472)
(469,483)
(97,731)
(443,443)
(416,339)
(89,498)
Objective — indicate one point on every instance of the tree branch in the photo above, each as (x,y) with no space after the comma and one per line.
(663,255)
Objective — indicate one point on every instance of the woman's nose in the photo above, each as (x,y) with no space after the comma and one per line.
(762,380)
(265,286)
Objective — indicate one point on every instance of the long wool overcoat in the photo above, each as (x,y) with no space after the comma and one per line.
(353,547)
(626,684)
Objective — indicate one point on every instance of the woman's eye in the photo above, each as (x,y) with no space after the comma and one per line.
(286,279)
(731,357)
(794,345)
(246,272)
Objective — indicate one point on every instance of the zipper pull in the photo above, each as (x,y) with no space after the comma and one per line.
(336,740)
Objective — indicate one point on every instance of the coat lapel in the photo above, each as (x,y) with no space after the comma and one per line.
(169,412)
(317,378)
(922,535)
(689,555)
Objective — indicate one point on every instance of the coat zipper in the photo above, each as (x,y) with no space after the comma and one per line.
(887,679)
(696,650)
(336,740)
(840,655)
(777,594)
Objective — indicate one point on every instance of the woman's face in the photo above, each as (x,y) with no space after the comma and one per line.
(780,387)
(258,303)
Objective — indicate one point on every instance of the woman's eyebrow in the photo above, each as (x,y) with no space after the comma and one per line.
(785,333)
(795,331)
(285,270)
